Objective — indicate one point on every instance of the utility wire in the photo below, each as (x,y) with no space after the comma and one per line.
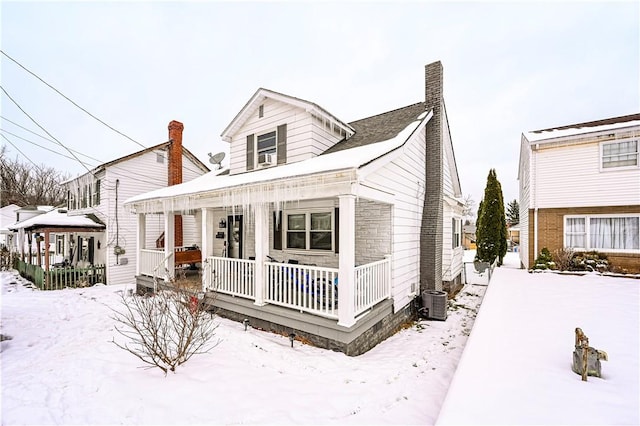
(45,148)
(43,129)
(67,98)
(24,128)
(199,171)
(23,154)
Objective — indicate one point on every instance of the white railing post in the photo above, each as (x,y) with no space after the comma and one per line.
(169,245)
(389,275)
(347,260)
(141,237)
(206,230)
(261,217)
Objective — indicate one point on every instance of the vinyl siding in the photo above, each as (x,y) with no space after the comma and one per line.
(306,137)
(134,176)
(524,181)
(570,176)
(405,178)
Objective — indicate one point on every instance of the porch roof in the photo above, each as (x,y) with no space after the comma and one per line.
(285,182)
(58,218)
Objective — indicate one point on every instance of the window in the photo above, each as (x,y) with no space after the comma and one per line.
(266,144)
(600,232)
(309,231)
(96,194)
(60,244)
(261,111)
(455,232)
(619,154)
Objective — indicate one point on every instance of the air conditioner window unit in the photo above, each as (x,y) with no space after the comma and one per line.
(435,302)
(265,159)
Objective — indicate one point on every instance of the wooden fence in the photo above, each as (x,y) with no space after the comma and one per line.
(59,278)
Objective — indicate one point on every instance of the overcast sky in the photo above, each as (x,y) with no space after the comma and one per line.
(508,68)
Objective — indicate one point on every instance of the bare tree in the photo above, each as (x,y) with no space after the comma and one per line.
(167,328)
(26,184)
(468,210)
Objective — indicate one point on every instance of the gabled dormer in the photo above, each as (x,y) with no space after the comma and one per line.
(274,129)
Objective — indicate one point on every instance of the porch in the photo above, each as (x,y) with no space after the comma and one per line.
(299,288)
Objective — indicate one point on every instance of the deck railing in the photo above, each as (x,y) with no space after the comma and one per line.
(305,288)
(372,284)
(149,259)
(231,276)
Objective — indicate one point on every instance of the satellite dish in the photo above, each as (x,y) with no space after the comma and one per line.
(217,159)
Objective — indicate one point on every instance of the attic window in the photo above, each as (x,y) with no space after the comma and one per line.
(261,111)
(159,158)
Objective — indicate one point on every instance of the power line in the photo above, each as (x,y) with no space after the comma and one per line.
(44,147)
(79,107)
(68,99)
(23,154)
(24,128)
(43,129)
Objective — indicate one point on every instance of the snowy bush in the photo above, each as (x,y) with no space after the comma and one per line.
(165,329)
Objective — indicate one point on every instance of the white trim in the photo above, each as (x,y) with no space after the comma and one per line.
(617,141)
(587,225)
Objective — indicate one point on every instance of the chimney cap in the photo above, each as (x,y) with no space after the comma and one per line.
(176,125)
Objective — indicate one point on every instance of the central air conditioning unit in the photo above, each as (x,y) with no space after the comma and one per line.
(265,159)
(434,302)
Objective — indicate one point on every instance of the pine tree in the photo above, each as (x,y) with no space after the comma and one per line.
(513,213)
(491,228)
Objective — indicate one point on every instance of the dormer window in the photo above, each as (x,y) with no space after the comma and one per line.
(266,148)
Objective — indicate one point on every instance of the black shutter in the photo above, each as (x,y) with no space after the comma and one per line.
(79,250)
(282,144)
(250,149)
(91,250)
(336,233)
(277,230)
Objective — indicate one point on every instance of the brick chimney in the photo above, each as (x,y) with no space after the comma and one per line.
(432,216)
(174,171)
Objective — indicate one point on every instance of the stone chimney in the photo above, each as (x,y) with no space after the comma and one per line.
(174,169)
(431,229)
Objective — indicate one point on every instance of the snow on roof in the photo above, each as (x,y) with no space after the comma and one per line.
(540,135)
(341,160)
(56,217)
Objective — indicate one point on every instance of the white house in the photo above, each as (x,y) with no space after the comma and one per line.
(579,189)
(102,191)
(366,215)
(8,216)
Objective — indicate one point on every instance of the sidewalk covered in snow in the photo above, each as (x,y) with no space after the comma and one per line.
(516,366)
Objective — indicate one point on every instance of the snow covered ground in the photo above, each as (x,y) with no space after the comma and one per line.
(60,366)
(516,366)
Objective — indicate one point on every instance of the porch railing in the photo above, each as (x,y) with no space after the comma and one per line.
(232,276)
(305,288)
(372,284)
(149,261)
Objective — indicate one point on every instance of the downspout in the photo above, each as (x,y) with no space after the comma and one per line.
(535,205)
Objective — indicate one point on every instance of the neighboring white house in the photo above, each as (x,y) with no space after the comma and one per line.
(102,191)
(580,189)
(8,216)
(366,214)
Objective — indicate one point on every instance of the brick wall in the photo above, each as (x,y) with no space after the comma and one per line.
(551,232)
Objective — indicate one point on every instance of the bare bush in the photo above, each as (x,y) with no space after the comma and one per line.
(562,258)
(167,328)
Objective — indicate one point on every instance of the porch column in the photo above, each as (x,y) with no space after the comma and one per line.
(169,245)
(347,260)
(261,216)
(206,230)
(141,238)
